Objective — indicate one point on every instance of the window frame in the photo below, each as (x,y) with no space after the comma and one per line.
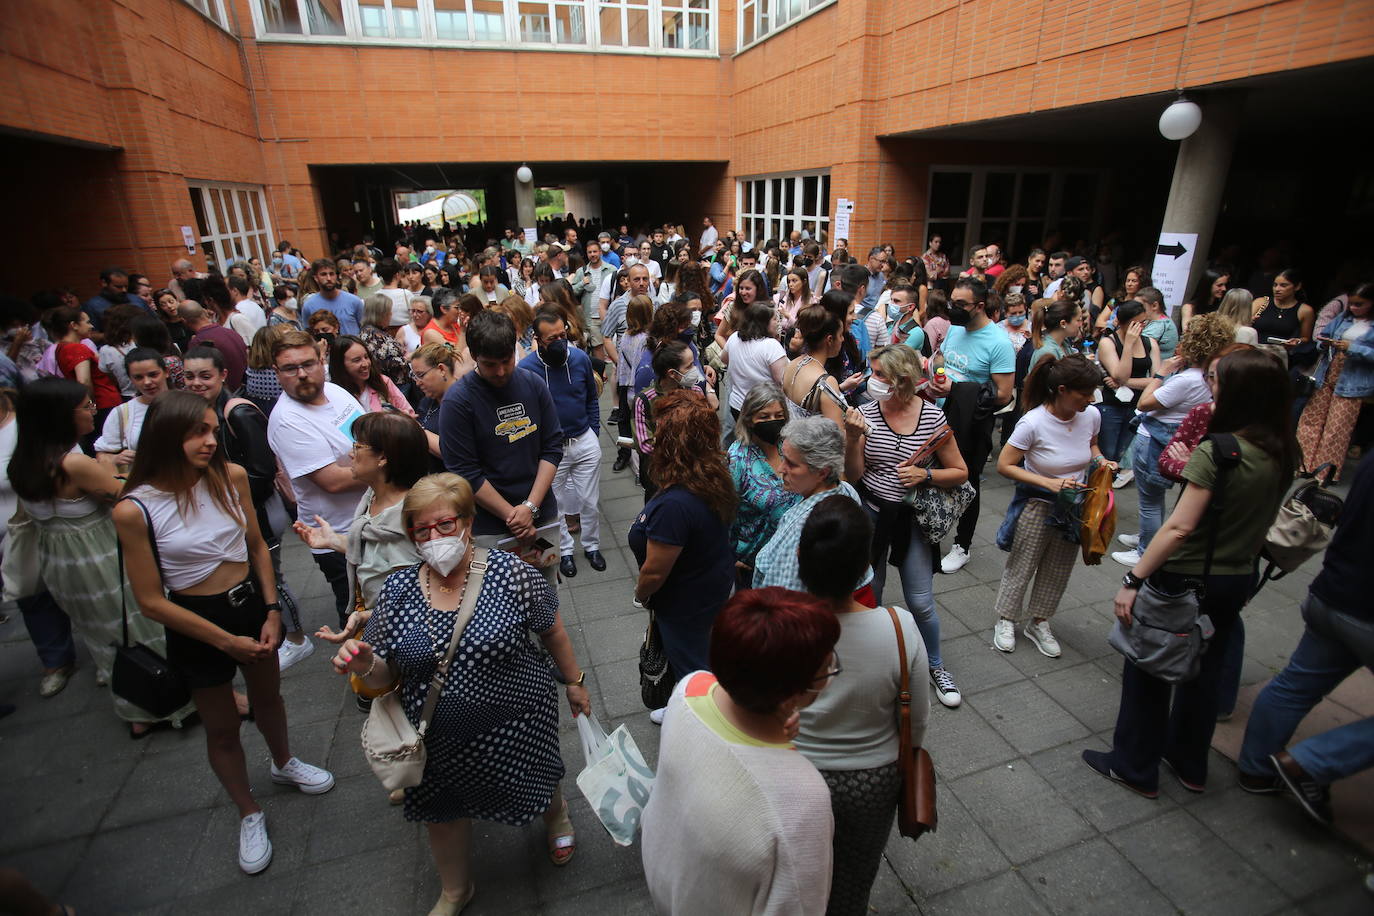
(244,239)
(212,10)
(770,18)
(511,31)
(750,220)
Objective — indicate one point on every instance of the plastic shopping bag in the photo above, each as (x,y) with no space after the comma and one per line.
(616,780)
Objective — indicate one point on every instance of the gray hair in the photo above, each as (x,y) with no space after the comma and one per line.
(377,311)
(759,397)
(443,296)
(422,302)
(820,443)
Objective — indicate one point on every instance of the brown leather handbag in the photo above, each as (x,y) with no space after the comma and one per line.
(916,803)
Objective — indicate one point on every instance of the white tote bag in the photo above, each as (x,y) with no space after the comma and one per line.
(616,780)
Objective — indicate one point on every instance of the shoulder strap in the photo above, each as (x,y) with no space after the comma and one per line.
(476,572)
(906,758)
(119,551)
(1226,453)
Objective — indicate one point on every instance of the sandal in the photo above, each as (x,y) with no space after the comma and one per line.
(562,838)
(445,907)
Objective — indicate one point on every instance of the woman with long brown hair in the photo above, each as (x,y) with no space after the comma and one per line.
(556,296)
(682,538)
(794,294)
(198,564)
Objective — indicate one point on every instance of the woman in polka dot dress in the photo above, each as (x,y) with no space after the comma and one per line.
(492,747)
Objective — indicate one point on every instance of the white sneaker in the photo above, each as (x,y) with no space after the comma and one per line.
(1127,557)
(955,560)
(289,652)
(255,849)
(1129,540)
(945,689)
(1039,633)
(1004,635)
(310,780)
(55,681)
(1123,478)
(656,715)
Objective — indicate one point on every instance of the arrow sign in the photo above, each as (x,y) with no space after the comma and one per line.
(1173,262)
(1176,249)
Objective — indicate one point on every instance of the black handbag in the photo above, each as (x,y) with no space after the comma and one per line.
(140,675)
(655,683)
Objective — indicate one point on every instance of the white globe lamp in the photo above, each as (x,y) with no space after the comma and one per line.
(1180,120)
(525,176)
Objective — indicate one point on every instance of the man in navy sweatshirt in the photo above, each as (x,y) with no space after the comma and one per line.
(571,379)
(499,430)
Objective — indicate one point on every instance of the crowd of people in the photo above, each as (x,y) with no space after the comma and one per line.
(428,421)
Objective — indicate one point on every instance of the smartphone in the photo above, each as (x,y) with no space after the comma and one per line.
(1276,340)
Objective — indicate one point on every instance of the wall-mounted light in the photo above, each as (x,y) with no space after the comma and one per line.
(523,174)
(1180,120)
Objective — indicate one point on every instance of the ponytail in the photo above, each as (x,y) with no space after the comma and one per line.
(1048,315)
(1075,372)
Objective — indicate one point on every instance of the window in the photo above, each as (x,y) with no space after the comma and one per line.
(1018,209)
(212,10)
(231,220)
(635,26)
(773,207)
(759,19)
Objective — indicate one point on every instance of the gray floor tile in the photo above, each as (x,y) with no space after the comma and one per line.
(1005,893)
(961,742)
(957,853)
(110,873)
(976,665)
(1027,717)
(1021,811)
(1073,880)
(1086,693)
(1102,803)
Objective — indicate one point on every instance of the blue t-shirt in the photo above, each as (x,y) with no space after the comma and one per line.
(1166,332)
(978,356)
(345,306)
(699,583)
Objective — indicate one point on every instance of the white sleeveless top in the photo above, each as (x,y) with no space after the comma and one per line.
(412,338)
(191,547)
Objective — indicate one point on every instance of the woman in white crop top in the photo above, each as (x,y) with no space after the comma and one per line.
(221,612)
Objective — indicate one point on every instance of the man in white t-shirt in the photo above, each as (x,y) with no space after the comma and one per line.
(310,430)
(708,235)
(391,274)
(247,316)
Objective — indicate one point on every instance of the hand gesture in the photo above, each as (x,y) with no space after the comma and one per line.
(270,636)
(322,538)
(852,382)
(940,384)
(355,620)
(710,374)
(520,522)
(1172,364)
(1177,452)
(854,423)
(354,657)
(247,650)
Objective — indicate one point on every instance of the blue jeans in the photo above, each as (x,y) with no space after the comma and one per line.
(918,585)
(1113,438)
(1150,487)
(50,629)
(1332,647)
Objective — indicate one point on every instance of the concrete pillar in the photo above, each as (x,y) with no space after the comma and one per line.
(1200,171)
(524,202)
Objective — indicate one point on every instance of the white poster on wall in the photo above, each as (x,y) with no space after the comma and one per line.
(1173,261)
(844,211)
(188,238)
(532,236)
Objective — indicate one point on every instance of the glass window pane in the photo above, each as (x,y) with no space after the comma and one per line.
(488,20)
(255,199)
(405,18)
(998,189)
(245,212)
(789,187)
(611,31)
(637,24)
(811,186)
(825,195)
(748,15)
(1035,194)
(373,20)
(949,194)
(1029,234)
(569,27)
(218,221)
(534,23)
(198,205)
(325,16)
(758,197)
(451,20)
(1079,195)
(951,239)
(775,199)
(674,35)
(281,17)
(994,231)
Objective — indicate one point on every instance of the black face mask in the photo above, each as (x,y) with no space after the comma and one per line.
(555,354)
(687,335)
(769,431)
(958,315)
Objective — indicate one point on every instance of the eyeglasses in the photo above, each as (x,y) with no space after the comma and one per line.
(357,445)
(309,365)
(419,376)
(829,676)
(89,405)
(443,527)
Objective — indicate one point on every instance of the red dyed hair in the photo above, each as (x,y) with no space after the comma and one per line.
(768,643)
(687,450)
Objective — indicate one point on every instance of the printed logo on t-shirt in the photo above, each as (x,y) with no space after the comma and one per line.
(956,365)
(345,418)
(512,423)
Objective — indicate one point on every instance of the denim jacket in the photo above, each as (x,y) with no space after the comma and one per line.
(1357,378)
(1069,528)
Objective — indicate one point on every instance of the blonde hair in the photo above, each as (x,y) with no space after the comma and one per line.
(436,354)
(436,488)
(902,365)
(1236,306)
(518,310)
(1206,336)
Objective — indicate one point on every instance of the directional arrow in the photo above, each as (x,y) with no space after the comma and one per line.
(1176,249)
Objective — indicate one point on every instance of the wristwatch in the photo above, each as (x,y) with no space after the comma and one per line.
(1132,581)
(274,606)
(534,510)
(581,679)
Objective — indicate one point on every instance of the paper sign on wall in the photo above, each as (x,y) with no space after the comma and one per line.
(189,238)
(1173,262)
(531,236)
(844,210)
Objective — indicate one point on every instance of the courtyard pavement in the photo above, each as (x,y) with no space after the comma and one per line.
(111,825)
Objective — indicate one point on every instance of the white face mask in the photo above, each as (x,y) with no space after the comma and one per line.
(692,378)
(878,390)
(1015,289)
(696,317)
(290,302)
(631,259)
(605,246)
(443,554)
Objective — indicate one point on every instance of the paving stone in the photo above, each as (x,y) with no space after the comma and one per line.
(1030,661)
(164,785)
(958,852)
(1027,717)
(1099,801)
(604,862)
(598,600)
(613,639)
(1194,868)
(49,867)
(1072,881)
(1006,893)
(1086,693)
(1020,810)
(624,509)
(137,866)
(60,804)
(971,602)
(215,864)
(961,742)
(629,898)
(976,665)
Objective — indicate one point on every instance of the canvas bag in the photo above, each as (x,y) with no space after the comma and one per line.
(616,781)
(1303,528)
(1099,515)
(394,748)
